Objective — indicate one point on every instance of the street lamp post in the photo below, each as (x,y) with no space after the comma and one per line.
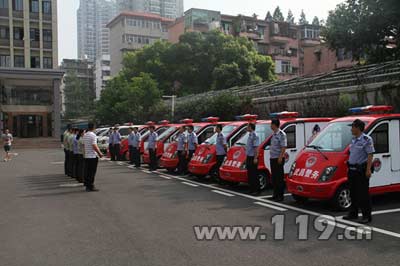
(172,97)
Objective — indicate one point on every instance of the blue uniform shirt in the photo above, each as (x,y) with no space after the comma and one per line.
(116,138)
(136,140)
(192,141)
(76,145)
(181,141)
(278,141)
(152,140)
(252,143)
(360,148)
(131,139)
(220,145)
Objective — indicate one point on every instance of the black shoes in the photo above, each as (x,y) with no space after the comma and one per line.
(354,218)
(277,199)
(350,217)
(255,193)
(92,190)
(365,220)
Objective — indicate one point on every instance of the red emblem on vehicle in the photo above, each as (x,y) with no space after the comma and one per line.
(237,155)
(377,164)
(311,161)
(202,150)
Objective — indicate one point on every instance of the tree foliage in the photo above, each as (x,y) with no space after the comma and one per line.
(303,19)
(290,17)
(79,99)
(278,16)
(367,28)
(200,62)
(316,21)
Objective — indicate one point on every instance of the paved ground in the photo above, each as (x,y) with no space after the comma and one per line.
(141,218)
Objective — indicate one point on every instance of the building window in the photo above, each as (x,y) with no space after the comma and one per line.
(46,7)
(47,62)
(18,34)
(35,62)
(19,61)
(3,3)
(18,5)
(47,36)
(35,35)
(286,67)
(34,6)
(5,61)
(4,33)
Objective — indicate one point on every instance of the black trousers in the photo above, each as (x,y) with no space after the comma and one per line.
(136,156)
(182,162)
(111,150)
(74,162)
(131,155)
(70,163)
(278,177)
(220,161)
(90,172)
(190,156)
(252,176)
(116,149)
(153,159)
(66,161)
(359,192)
(79,171)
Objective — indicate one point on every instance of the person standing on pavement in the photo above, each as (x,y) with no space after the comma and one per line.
(359,172)
(193,142)
(136,147)
(221,150)
(116,144)
(252,159)
(131,137)
(152,142)
(7,142)
(277,159)
(182,142)
(91,159)
(80,160)
(66,151)
(110,143)
(75,156)
(69,140)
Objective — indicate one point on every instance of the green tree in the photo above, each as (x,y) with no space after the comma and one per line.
(367,28)
(315,21)
(268,17)
(278,16)
(79,99)
(290,17)
(303,19)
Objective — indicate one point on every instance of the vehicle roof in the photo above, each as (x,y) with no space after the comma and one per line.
(366,117)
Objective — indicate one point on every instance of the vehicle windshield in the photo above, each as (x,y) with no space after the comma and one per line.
(334,138)
(226,131)
(263,131)
(103,132)
(166,133)
(124,131)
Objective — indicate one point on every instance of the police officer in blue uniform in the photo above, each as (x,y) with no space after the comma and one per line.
(193,142)
(116,144)
(359,172)
(277,159)
(131,138)
(152,148)
(110,143)
(221,149)
(252,159)
(182,142)
(136,147)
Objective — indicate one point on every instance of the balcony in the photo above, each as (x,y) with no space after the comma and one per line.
(35,44)
(34,16)
(18,14)
(3,12)
(47,45)
(310,42)
(280,39)
(252,35)
(4,42)
(19,43)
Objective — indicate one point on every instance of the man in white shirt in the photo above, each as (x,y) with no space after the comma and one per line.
(7,141)
(91,159)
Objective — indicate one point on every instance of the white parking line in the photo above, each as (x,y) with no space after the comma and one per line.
(385,211)
(165,177)
(146,171)
(223,193)
(270,206)
(270,196)
(72,185)
(190,184)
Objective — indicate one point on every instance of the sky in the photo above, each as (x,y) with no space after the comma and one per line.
(68,28)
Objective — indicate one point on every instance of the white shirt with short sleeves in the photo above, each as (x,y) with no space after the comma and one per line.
(89,140)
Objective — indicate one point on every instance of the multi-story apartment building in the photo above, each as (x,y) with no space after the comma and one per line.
(164,8)
(283,41)
(93,35)
(102,74)
(83,69)
(29,84)
(130,31)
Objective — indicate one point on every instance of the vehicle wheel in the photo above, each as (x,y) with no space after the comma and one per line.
(264,180)
(299,199)
(342,200)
